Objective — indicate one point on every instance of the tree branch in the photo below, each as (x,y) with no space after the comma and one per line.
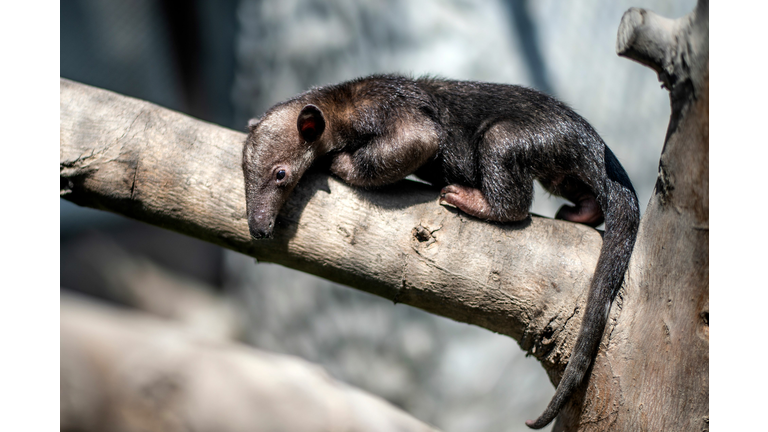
(149,163)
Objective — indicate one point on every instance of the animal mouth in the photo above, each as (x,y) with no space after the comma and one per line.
(259,232)
(260,236)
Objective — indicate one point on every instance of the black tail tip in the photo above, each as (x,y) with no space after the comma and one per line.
(536,424)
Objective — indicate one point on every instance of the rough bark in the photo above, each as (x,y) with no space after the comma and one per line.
(527,280)
(126,371)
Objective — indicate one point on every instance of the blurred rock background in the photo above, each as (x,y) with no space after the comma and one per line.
(227,61)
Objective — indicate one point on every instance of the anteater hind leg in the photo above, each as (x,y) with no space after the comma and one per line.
(586,209)
(469,200)
(506,189)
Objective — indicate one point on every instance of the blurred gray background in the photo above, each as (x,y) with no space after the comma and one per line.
(227,61)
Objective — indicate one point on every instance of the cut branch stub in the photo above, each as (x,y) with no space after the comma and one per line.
(677,49)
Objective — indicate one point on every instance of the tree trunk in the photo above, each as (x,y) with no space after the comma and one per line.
(654,372)
(527,280)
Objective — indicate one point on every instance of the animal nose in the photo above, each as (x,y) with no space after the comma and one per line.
(257,233)
(260,228)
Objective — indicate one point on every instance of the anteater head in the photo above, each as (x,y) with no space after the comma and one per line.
(279,149)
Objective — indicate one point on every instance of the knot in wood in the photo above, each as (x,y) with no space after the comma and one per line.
(422,234)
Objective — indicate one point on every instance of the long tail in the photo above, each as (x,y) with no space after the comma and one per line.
(622,218)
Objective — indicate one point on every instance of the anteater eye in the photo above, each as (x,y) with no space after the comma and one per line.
(280,175)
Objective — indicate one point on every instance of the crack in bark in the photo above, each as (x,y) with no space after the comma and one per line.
(128,129)
(618,302)
(77,161)
(560,331)
(135,175)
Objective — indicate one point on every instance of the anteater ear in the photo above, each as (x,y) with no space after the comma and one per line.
(311,123)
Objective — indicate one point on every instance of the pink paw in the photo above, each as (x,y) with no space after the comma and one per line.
(469,200)
(449,195)
(586,211)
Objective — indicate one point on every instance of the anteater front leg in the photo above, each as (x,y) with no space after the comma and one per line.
(387,158)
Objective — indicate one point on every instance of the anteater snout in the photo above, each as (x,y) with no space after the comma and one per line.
(260,228)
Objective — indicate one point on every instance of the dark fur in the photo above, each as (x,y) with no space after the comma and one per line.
(484,142)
